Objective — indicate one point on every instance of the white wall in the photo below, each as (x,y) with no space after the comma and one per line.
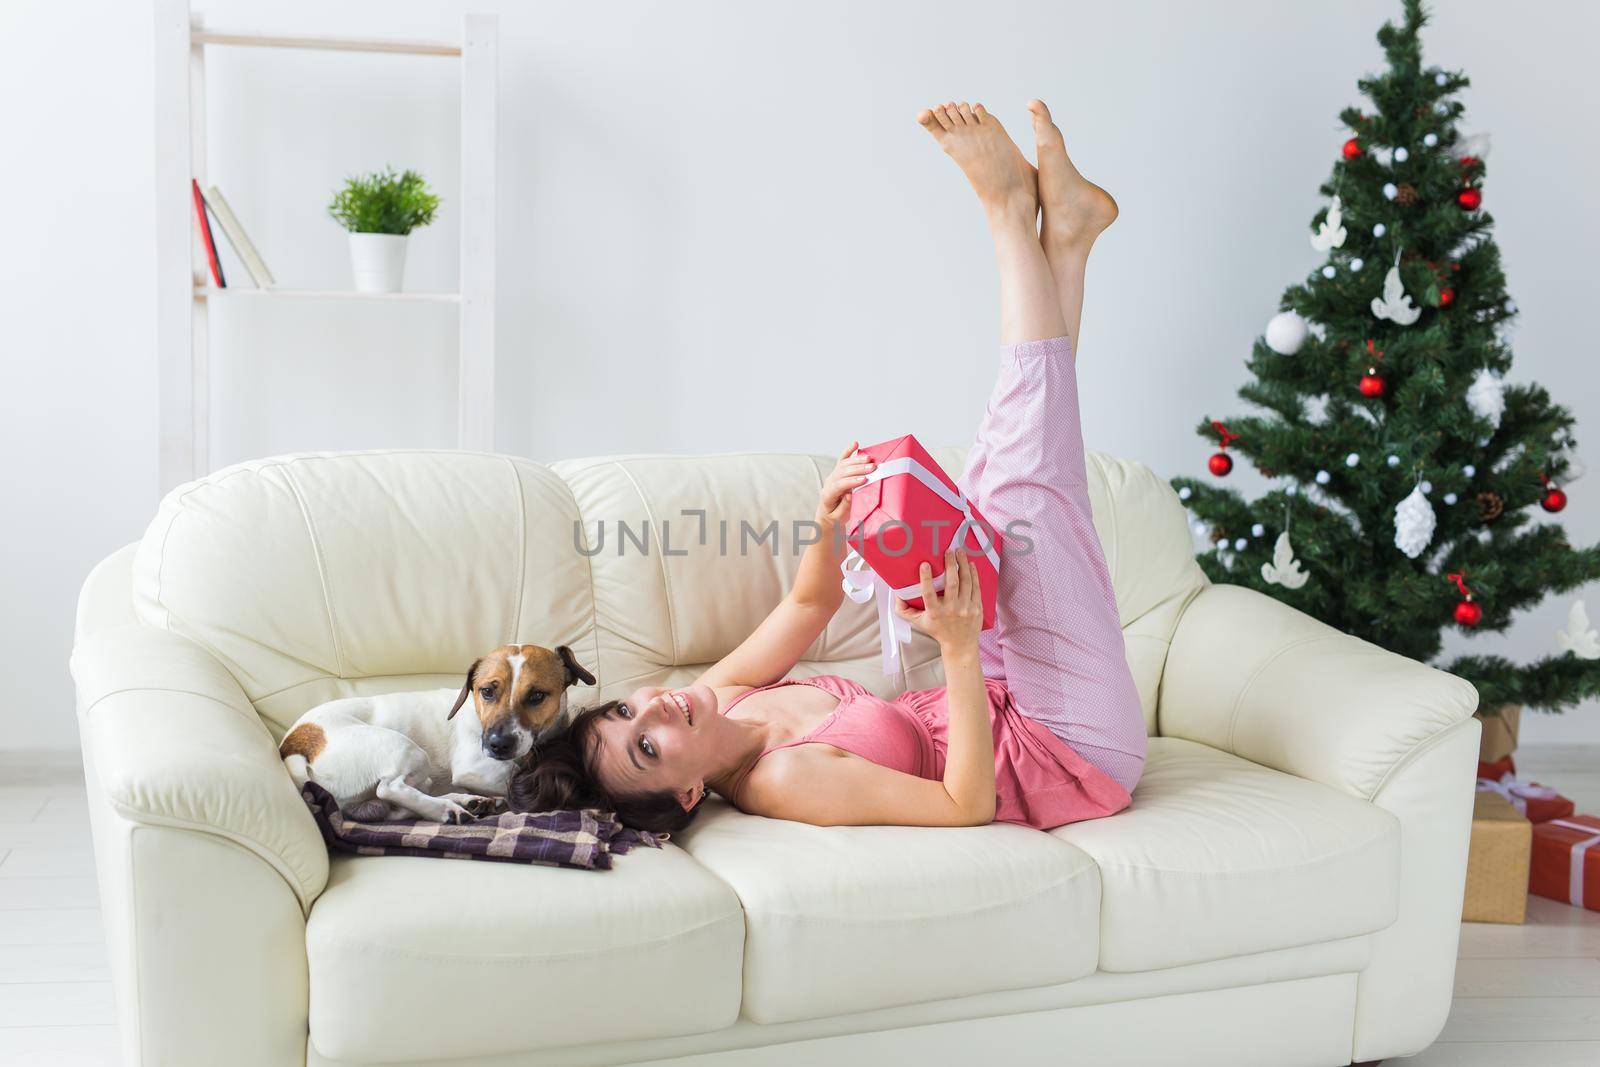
(718,223)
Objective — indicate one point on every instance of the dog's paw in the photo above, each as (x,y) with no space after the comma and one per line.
(480,806)
(455,814)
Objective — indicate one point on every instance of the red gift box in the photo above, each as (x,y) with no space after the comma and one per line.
(911,512)
(1566,861)
(1536,802)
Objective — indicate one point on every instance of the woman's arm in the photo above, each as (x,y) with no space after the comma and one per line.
(783,637)
(955,620)
(825,790)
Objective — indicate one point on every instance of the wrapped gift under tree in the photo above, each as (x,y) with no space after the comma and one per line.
(1497,862)
(1538,802)
(1566,861)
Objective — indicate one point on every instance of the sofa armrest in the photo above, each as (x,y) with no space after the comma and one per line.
(1252,676)
(176,744)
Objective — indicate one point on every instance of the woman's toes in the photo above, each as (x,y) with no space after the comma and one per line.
(979,113)
(953,110)
(966,113)
(926,120)
(1044,127)
(943,119)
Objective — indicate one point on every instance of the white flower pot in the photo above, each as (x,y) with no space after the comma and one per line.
(379,261)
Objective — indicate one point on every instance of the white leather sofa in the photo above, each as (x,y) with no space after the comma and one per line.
(1285,889)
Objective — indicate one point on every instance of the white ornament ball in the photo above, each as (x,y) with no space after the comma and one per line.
(1430,139)
(1401,155)
(1323,477)
(1356,264)
(1469,470)
(1352,460)
(1393,461)
(1426,487)
(1440,79)
(1379,229)
(1222,546)
(1185,493)
(1328,271)
(1291,490)
(1286,332)
(1450,498)
(1238,546)
(1390,190)
(1257,530)
(1441,108)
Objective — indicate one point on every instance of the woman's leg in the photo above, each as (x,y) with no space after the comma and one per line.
(1058,639)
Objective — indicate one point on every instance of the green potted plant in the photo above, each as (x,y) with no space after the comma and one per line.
(380,210)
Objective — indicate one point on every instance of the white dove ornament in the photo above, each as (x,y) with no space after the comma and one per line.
(1395,305)
(1284,569)
(1331,233)
(1579,637)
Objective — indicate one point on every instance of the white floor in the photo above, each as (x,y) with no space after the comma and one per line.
(1525,995)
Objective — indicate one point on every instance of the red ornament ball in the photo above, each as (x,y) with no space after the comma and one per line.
(1468,613)
(1220,463)
(1468,161)
(1372,386)
(1352,148)
(1447,297)
(1553,500)
(1469,200)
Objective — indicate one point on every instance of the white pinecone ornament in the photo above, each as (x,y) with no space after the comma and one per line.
(1413,523)
(1486,396)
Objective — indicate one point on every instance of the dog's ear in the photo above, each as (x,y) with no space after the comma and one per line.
(575,671)
(466,690)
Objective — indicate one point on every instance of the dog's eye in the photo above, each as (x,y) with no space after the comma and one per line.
(536,696)
(487,692)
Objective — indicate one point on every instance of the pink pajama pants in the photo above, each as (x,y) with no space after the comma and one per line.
(1057,639)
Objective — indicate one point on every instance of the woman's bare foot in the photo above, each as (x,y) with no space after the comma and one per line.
(1004,180)
(1076,211)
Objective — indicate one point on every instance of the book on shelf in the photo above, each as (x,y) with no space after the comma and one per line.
(240,240)
(206,238)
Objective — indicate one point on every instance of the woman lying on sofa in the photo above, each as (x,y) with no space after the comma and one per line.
(1038,721)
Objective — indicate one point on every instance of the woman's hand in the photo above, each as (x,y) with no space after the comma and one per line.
(955,619)
(833,510)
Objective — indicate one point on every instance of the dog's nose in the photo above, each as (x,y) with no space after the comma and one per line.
(500,743)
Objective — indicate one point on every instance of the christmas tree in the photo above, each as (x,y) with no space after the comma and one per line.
(1408,473)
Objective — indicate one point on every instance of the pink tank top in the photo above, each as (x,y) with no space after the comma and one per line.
(1039,780)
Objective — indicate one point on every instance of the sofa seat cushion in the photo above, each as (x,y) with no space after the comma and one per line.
(1221,857)
(842,919)
(415,959)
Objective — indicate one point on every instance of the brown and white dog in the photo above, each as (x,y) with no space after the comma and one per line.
(404,755)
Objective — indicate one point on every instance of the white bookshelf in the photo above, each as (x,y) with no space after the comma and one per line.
(184,294)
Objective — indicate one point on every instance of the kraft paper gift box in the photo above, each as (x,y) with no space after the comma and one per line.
(910,512)
(1497,862)
(1538,802)
(1499,737)
(1566,861)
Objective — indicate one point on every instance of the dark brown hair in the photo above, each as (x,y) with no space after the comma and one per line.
(561,776)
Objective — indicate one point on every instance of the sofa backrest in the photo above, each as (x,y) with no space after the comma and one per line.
(318,576)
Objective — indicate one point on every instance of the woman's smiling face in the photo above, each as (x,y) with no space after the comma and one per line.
(652,742)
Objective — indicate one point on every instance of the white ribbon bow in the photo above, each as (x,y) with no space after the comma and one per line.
(1575,875)
(1516,790)
(861,584)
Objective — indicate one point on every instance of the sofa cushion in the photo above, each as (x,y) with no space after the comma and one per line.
(843,919)
(414,959)
(1220,857)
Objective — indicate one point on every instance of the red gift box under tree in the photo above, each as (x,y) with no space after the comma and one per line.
(1566,861)
(1538,803)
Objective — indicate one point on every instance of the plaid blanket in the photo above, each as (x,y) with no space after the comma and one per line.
(585,839)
